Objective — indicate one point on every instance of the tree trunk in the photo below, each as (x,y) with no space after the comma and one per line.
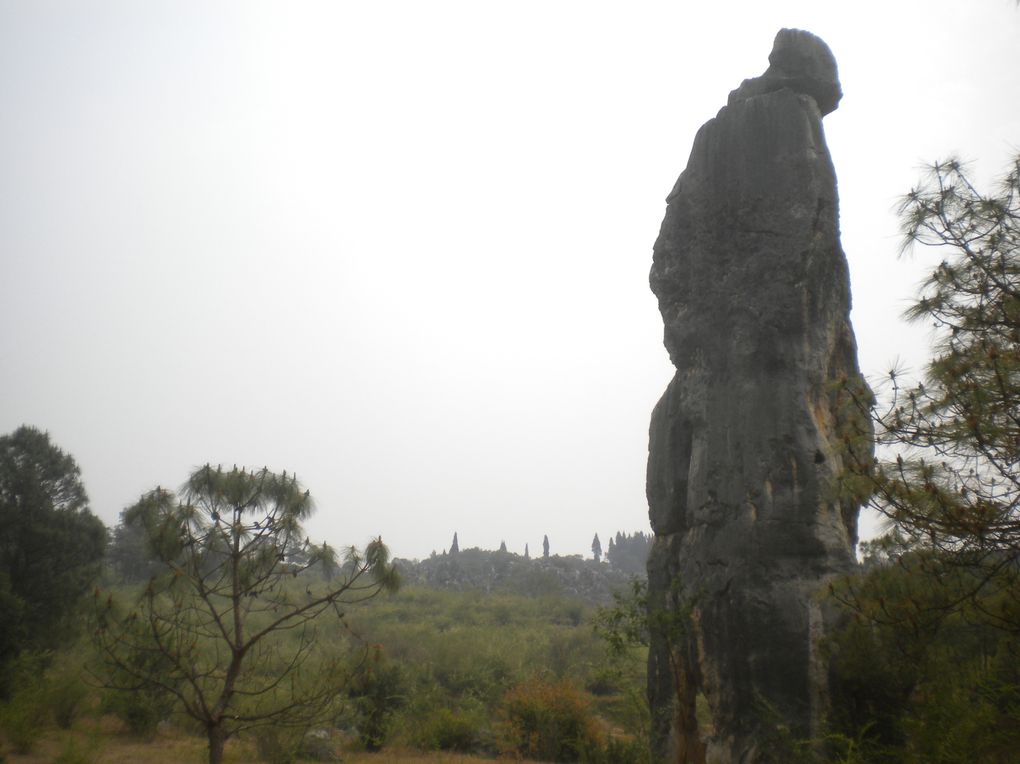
(217,740)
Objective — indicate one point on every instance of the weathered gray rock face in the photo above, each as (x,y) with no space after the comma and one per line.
(754,292)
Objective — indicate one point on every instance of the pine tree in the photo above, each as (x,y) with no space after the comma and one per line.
(454,547)
(230,544)
(952,490)
(50,547)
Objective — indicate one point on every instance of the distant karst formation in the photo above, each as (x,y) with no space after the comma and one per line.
(746,442)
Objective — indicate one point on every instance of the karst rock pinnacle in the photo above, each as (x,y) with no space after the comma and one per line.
(748,439)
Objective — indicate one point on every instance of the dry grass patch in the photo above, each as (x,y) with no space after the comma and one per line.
(105,746)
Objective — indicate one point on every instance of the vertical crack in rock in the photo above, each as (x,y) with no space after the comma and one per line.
(745,443)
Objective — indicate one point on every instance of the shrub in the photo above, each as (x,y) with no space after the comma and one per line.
(376,692)
(23,713)
(65,694)
(603,680)
(549,721)
(446,729)
(317,745)
(22,719)
(277,746)
(76,752)
(141,710)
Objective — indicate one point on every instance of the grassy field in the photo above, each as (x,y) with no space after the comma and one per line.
(81,747)
(87,744)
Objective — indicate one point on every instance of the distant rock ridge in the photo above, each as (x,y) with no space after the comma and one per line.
(747,440)
(486,571)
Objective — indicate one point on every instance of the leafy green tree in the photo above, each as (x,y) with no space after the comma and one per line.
(596,548)
(545,547)
(230,629)
(624,624)
(50,548)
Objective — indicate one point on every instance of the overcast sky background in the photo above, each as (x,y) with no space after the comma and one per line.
(402,247)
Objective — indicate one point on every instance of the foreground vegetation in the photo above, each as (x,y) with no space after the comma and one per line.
(454,673)
(928,664)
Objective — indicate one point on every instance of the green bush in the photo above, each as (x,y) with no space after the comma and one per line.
(921,670)
(446,729)
(603,680)
(276,746)
(65,694)
(22,718)
(549,721)
(140,710)
(376,692)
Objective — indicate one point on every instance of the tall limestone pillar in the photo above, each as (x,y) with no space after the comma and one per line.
(754,292)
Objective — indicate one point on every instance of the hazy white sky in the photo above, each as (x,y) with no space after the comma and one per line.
(402,247)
